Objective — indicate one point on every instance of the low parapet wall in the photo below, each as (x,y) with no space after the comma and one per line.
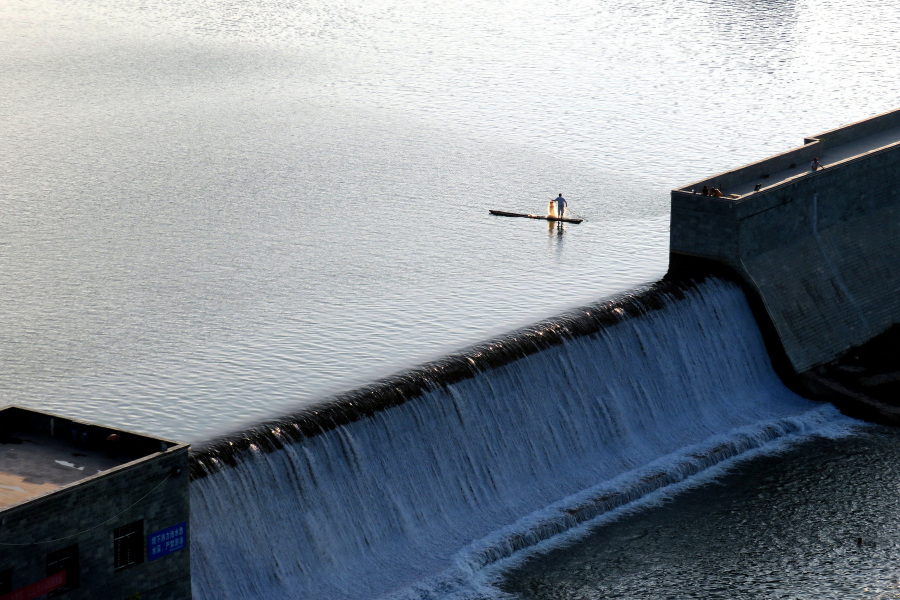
(855,131)
(822,249)
(800,157)
(797,158)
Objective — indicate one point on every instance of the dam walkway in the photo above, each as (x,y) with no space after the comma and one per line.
(828,157)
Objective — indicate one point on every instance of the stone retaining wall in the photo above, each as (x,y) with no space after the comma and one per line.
(822,250)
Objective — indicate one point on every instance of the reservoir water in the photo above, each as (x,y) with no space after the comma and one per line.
(214,212)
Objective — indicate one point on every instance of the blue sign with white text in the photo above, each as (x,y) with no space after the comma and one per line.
(167,541)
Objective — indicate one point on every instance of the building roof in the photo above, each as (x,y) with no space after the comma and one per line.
(43,452)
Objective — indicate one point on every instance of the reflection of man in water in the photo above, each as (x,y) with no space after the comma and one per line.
(560,206)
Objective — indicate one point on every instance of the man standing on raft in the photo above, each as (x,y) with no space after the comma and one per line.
(560,206)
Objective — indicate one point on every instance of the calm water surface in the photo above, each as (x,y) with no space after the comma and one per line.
(213,211)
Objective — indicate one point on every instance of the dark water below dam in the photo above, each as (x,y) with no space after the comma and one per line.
(820,520)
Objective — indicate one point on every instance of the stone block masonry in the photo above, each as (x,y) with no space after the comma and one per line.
(822,249)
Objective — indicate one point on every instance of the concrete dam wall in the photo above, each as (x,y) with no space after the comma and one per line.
(822,249)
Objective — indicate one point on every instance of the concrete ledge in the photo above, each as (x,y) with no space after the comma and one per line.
(761,170)
(854,131)
(832,147)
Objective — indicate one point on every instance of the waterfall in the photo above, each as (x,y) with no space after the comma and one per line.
(469,460)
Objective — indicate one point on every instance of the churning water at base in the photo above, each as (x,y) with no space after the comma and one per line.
(818,521)
(416,499)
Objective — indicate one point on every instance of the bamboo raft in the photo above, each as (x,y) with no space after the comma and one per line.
(500,213)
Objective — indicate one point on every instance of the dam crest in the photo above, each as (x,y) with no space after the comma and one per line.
(454,474)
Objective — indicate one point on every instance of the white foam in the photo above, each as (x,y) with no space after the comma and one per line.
(513,459)
(473,577)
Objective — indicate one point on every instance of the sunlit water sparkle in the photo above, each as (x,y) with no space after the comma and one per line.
(215,211)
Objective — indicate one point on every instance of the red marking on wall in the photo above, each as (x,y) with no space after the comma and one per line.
(30,592)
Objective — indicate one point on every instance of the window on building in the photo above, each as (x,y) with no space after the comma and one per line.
(129,545)
(64,560)
(5,581)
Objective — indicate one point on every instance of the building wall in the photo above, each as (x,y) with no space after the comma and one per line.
(87,513)
(823,252)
